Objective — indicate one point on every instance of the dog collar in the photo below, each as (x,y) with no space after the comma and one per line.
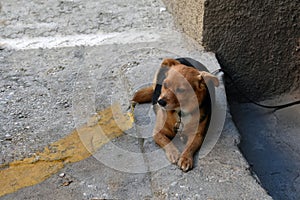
(182,114)
(178,127)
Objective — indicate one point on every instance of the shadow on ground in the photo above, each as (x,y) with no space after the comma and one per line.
(270,143)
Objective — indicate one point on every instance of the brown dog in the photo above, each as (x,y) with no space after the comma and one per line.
(180,96)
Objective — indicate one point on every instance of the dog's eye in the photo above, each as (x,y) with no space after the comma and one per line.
(165,85)
(180,90)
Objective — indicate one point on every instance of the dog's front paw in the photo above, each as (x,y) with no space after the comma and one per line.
(172,155)
(185,163)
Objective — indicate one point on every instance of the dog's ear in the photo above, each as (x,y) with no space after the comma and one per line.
(168,62)
(209,77)
(164,68)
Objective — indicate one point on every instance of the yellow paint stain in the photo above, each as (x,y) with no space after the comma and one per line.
(78,145)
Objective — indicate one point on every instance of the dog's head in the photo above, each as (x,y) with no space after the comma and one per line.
(183,88)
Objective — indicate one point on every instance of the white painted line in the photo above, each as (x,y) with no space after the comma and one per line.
(79,40)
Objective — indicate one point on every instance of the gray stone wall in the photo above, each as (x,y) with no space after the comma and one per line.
(257,42)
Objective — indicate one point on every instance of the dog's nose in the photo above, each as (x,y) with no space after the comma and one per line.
(162,102)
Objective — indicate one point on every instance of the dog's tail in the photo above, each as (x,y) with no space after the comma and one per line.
(143,95)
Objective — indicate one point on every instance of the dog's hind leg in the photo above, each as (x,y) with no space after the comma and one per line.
(143,95)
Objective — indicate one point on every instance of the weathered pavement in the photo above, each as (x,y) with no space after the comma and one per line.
(274,151)
(62,62)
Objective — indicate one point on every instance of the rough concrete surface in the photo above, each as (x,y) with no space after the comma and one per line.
(270,142)
(256,42)
(56,73)
(189,16)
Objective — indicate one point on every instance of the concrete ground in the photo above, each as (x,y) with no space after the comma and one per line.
(68,69)
(270,142)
